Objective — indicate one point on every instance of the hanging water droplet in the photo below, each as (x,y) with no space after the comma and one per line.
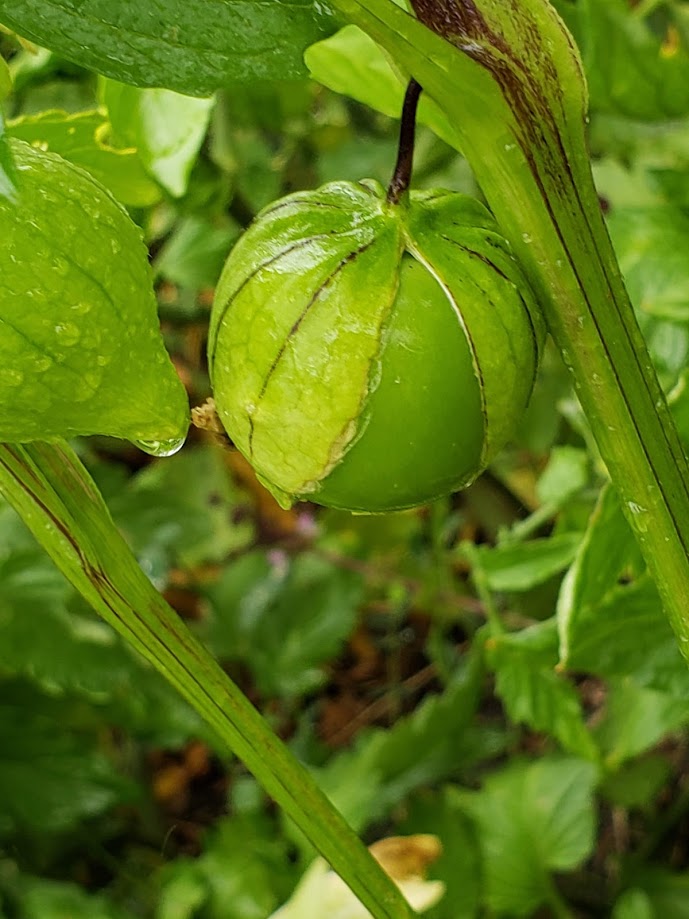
(161,447)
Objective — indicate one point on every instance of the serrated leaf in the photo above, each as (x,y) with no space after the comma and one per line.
(80,345)
(284,618)
(435,741)
(534,693)
(521,566)
(532,818)
(165,128)
(191,46)
(81,138)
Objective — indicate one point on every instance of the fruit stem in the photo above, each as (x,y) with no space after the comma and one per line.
(401,177)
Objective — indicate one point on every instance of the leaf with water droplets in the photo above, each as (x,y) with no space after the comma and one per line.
(191,46)
(80,345)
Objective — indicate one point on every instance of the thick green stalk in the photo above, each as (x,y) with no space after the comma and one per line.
(58,501)
(507,74)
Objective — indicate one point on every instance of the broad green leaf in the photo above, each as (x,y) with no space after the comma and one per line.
(521,566)
(283,617)
(635,719)
(80,346)
(351,63)
(532,818)
(632,68)
(534,693)
(651,244)
(164,127)
(191,46)
(51,777)
(82,138)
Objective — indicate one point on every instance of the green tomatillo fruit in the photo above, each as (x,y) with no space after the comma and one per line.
(370,355)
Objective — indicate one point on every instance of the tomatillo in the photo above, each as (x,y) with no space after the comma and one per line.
(370,355)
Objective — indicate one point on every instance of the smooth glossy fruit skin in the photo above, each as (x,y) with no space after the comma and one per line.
(370,356)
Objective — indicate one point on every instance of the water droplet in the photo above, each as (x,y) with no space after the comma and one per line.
(161,447)
(526,237)
(636,508)
(510,147)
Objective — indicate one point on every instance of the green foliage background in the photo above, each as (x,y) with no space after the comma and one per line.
(495,669)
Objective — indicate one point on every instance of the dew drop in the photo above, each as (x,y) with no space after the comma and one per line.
(526,237)
(161,447)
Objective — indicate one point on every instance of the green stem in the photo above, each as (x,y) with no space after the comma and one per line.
(510,80)
(55,496)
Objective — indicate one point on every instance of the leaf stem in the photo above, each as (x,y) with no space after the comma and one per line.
(56,498)
(401,177)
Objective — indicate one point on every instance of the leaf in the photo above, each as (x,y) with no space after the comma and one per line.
(632,68)
(532,818)
(5,80)
(567,473)
(51,777)
(7,168)
(636,719)
(81,138)
(650,244)
(637,782)
(351,63)
(243,873)
(668,893)
(437,740)
(607,549)
(521,566)
(627,633)
(633,904)
(180,513)
(534,693)
(284,617)
(194,255)
(165,128)
(80,346)
(190,46)
(44,899)
(458,867)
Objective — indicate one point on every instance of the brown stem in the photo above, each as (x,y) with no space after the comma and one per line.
(401,177)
